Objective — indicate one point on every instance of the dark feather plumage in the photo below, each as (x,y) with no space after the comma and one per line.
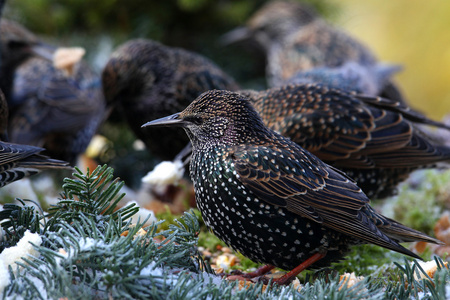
(269,198)
(54,110)
(375,141)
(19,161)
(49,107)
(145,79)
(17,44)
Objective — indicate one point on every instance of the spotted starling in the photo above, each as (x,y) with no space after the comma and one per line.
(19,161)
(146,79)
(50,107)
(270,199)
(294,38)
(375,141)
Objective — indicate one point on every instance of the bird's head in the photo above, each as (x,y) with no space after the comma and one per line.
(271,23)
(217,116)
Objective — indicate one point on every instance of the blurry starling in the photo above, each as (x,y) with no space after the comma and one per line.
(270,199)
(147,80)
(54,110)
(19,161)
(294,38)
(375,141)
(58,109)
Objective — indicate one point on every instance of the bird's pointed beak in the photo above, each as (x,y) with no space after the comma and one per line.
(235,35)
(171,120)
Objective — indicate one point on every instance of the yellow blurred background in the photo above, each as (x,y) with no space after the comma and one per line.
(413,33)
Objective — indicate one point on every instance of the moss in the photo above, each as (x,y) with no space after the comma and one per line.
(364,260)
(168,217)
(209,241)
(421,200)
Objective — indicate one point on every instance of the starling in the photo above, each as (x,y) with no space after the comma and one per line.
(272,200)
(54,110)
(375,141)
(146,79)
(19,161)
(294,38)
(57,109)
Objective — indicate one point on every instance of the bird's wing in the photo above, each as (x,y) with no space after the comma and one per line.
(298,181)
(398,107)
(59,104)
(10,153)
(329,123)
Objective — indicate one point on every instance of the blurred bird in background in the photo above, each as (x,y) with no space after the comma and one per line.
(145,79)
(55,101)
(350,76)
(295,39)
(17,44)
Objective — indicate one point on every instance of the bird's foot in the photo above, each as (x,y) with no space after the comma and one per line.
(252,276)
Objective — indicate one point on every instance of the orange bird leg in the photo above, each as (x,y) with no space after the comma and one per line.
(288,277)
(259,272)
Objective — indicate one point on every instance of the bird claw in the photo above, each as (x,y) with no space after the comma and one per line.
(238,272)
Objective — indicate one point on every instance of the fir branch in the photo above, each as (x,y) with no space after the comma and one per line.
(107,262)
(15,220)
(86,255)
(95,194)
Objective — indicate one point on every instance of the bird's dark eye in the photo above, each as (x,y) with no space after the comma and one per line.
(195,120)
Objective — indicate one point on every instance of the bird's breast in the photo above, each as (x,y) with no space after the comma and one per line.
(263,232)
